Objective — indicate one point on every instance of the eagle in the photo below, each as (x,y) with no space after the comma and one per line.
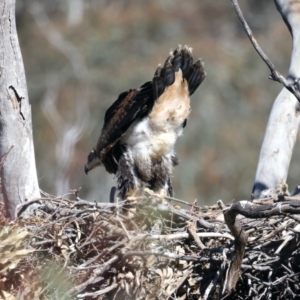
(141,127)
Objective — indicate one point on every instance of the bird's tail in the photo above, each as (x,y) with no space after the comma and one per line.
(180,58)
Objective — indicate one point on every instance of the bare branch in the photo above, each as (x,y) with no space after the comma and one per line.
(192,230)
(275,75)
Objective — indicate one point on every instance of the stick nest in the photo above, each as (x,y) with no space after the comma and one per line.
(147,249)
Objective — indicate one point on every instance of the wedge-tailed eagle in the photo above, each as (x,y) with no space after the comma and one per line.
(141,127)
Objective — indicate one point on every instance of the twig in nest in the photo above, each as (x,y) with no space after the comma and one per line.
(235,227)
(218,275)
(254,267)
(276,282)
(181,235)
(95,273)
(275,75)
(98,293)
(29,202)
(82,202)
(153,194)
(101,254)
(124,228)
(161,253)
(186,274)
(192,230)
(274,232)
(287,239)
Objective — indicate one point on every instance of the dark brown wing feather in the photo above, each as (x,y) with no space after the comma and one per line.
(130,106)
(180,58)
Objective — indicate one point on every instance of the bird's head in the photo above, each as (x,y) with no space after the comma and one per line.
(92,161)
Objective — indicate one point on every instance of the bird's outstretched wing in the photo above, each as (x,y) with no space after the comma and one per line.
(130,106)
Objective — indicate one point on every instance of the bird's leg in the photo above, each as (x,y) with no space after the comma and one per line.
(166,190)
(126,177)
(161,176)
(162,192)
(128,183)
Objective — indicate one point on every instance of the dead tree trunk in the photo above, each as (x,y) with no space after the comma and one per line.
(280,137)
(18,173)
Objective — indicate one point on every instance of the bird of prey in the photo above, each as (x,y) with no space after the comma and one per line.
(141,127)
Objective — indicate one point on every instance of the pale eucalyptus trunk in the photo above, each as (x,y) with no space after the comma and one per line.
(282,129)
(18,173)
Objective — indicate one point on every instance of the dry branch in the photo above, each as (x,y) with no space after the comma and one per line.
(275,74)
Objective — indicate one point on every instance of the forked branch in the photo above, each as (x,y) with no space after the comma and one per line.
(275,75)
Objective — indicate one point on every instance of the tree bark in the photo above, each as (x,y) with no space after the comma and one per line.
(75,12)
(18,173)
(280,137)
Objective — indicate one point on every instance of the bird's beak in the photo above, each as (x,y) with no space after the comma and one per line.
(92,161)
(86,169)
